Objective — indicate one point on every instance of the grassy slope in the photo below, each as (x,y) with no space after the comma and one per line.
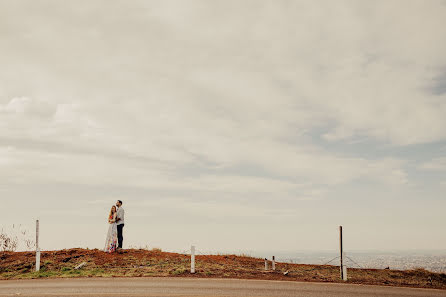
(158,263)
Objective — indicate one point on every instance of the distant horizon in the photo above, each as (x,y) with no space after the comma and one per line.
(278,252)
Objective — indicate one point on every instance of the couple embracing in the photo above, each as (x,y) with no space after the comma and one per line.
(114,238)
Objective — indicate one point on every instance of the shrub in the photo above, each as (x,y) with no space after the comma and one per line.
(10,241)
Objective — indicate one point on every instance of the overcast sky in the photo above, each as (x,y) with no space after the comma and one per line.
(231,125)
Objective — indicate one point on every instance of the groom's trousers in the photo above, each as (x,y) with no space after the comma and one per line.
(120,239)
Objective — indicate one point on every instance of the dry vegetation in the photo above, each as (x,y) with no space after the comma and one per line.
(10,241)
(139,262)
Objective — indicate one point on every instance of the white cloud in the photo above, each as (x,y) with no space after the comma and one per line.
(27,107)
(438,164)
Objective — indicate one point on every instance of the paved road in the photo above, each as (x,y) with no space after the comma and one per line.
(188,287)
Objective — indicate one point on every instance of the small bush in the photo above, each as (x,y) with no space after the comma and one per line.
(15,239)
(8,243)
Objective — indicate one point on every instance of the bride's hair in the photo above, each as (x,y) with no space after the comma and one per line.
(112,210)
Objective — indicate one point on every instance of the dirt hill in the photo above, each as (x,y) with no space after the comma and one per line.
(138,262)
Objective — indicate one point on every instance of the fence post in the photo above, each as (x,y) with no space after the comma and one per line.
(266,264)
(342,252)
(274,263)
(192,259)
(37,247)
(345,273)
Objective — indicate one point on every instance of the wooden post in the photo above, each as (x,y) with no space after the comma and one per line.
(274,263)
(266,264)
(37,247)
(192,259)
(341,250)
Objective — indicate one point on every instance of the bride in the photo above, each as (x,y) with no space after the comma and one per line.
(111,241)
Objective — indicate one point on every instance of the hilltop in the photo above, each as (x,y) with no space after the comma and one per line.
(140,263)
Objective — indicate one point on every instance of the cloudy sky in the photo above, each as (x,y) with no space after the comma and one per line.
(231,125)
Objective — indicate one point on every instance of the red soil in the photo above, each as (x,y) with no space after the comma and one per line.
(140,262)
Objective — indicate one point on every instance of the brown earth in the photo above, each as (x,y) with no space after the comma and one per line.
(139,262)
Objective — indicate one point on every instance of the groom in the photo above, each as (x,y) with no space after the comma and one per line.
(120,222)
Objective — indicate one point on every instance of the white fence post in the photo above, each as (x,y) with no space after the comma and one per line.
(192,259)
(266,264)
(37,247)
(274,263)
(344,272)
(341,250)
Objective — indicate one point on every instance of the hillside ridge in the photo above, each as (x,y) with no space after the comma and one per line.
(142,262)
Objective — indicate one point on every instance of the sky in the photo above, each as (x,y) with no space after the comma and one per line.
(230,125)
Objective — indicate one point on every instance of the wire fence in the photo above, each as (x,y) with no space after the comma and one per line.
(21,238)
(348,261)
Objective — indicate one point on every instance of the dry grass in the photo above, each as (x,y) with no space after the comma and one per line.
(155,262)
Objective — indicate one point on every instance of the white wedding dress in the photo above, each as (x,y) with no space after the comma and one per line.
(111,242)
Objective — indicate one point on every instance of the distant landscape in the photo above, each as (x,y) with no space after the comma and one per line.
(432,260)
